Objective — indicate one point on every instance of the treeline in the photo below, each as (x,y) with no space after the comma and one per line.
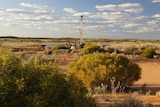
(69,40)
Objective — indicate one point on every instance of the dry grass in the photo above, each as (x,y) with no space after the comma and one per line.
(119,97)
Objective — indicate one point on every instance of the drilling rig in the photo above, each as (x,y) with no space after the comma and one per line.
(82,42)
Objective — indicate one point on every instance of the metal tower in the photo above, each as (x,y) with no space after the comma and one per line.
(82,42)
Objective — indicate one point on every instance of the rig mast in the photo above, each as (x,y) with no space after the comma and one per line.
(82,42)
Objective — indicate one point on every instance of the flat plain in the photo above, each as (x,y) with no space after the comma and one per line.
(150,78)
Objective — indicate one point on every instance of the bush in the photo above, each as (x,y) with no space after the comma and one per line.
(90,48)
(148,52)
(58,47)
(158,94)
(61,49)
(97,68)
(37,84)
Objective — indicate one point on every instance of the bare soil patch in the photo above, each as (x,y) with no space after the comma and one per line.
(150,71)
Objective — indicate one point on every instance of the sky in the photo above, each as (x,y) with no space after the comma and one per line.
(139,19)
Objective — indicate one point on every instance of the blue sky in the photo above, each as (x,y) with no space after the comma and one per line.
(101,18)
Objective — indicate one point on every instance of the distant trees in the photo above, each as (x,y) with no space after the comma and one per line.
(34,83)
(58,47)
(97,68)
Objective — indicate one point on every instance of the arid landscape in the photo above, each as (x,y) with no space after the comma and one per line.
(83,53)
(150,79)
(150,72)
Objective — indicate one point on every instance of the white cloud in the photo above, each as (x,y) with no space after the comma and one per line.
(14,11)
(66,22)
(112,16)
(36,6)
(9,24)
(156,16)
(94,27)
(149,26)
(107,7)
(131,25)
(152,22)
(155,1)
(76,13)
(31,25)
(145,29)
(41,11)
(106,23)
(131,7)
(44,17)
(2,18)
(69,10)
(25,15)
(2,10)
(21,12)
(127,7)
(54,29)
(82,13)
(140,18)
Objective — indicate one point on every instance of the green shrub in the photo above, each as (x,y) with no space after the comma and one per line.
(148,52)
(34,83)
(90,48)
(97,68)
(58,47)
(61,49)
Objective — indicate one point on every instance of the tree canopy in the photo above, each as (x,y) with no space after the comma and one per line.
(97,68)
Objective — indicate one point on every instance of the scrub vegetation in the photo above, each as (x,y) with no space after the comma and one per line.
(31,73)
(33,83)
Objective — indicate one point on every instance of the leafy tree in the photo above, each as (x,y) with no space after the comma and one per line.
(61,93)
(90,48)
(97,68)
(34,83)
(148,52)
(9,72)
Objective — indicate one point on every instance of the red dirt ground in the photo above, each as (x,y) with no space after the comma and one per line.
(150,72)
(150,78)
